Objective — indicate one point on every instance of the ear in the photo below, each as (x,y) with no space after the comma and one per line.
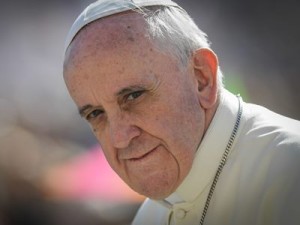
(205,65)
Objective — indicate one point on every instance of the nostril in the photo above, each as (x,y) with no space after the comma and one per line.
(122,135)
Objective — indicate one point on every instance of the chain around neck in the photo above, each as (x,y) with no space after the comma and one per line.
(223,160)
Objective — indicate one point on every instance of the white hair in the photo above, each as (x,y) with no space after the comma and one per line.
(175,32)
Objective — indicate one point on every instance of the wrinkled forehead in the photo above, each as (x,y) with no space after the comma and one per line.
(112,28)
(104,8)
(108,35)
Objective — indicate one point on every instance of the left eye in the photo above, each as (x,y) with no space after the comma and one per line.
(134,95)
(94,114)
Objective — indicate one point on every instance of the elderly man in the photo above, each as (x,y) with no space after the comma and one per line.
(144,77)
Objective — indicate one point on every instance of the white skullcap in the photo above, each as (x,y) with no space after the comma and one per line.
(103,8)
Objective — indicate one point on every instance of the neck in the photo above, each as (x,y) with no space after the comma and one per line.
(209,113)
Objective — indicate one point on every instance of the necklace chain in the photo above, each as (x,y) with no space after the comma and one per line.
(223,160)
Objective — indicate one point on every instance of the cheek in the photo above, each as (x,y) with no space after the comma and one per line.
(180,128)
(107,148)
(182,123)
(177,136)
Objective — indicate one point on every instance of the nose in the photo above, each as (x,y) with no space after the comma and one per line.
(122,131)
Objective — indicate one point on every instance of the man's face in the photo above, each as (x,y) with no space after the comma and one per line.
(143,109)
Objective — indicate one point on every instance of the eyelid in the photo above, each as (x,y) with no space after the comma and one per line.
(139,92)
(88,112)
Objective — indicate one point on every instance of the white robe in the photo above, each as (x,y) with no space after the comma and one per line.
(259,185)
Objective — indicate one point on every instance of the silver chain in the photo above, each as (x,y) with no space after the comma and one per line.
(223,161)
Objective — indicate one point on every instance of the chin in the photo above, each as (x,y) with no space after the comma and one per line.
(157,192)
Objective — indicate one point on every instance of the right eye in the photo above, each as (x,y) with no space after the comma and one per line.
(134,95)
(93,114)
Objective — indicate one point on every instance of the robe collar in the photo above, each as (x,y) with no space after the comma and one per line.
(209,153)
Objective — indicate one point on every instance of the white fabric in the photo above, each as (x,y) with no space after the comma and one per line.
(259,185)
(103,8)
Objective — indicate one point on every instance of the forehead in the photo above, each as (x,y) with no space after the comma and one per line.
(109,41)
(114,52)
(106,35)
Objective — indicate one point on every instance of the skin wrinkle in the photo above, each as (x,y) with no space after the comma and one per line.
(168,116)
(151,90)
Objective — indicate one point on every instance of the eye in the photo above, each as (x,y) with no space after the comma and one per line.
(134,95)
(93,114)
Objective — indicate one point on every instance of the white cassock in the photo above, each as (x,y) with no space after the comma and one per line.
(259,184)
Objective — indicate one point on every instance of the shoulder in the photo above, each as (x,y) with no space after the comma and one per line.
(261,123)
(269,144)
(265,161)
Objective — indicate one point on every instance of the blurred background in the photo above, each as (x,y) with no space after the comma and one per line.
(51,169)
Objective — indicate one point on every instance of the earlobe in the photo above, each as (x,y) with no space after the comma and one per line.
(205,65)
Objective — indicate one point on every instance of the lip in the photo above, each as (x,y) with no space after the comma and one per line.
(144,155)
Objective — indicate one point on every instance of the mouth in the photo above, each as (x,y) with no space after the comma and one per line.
(139,158)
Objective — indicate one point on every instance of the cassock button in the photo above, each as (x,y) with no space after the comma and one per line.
(180,214)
